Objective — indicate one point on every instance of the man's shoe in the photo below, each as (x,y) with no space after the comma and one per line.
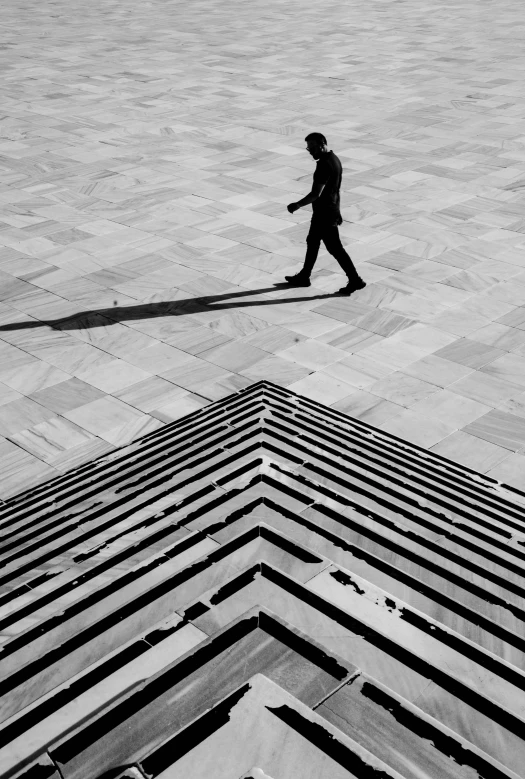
(352,286)
(299,280)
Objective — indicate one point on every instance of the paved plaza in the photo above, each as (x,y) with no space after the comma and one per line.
(148,150)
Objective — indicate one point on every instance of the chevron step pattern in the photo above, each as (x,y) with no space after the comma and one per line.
(263,588)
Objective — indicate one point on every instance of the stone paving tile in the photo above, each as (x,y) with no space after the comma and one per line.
(515,405)
(456,409)
(223,386)
(321,387)
(184,404)
(349,338)
(7,394)
(472,354)
(370,408)
(103,415)
(417,428)
(275,339)
(501,428)
(471,451)
(510,471)
(437,370)
(52,438)
(402,389)
(277,370)
(509,367)
(21,414)
(234,356)
(20,469)
(358,370)
(312,354)
(485,389)
(507,338)
(197,340)
(143,223)
(32,377)
(150,394)
(66,395)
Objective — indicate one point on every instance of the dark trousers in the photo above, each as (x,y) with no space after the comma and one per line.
(329,235)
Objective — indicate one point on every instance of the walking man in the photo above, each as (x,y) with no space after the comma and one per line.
(325,200)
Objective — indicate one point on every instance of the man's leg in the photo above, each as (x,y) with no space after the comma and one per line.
(313,242)
(332,241)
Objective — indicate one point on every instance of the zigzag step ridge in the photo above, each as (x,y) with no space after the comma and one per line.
(264,537)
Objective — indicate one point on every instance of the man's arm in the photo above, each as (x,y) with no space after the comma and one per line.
(317,188)
(321,176)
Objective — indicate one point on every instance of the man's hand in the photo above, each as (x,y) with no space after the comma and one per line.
(292,207)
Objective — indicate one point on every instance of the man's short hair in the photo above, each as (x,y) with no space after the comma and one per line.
(319,137)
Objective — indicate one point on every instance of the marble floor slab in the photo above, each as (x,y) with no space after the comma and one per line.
(146,161)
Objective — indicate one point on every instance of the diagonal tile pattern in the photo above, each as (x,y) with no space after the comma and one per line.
(147,155)
(265,559)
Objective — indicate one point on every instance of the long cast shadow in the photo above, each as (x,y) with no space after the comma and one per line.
(103,317)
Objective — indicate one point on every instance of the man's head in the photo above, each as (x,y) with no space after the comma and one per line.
(316,144)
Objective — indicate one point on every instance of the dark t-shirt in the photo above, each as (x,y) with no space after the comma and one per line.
(329,171)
